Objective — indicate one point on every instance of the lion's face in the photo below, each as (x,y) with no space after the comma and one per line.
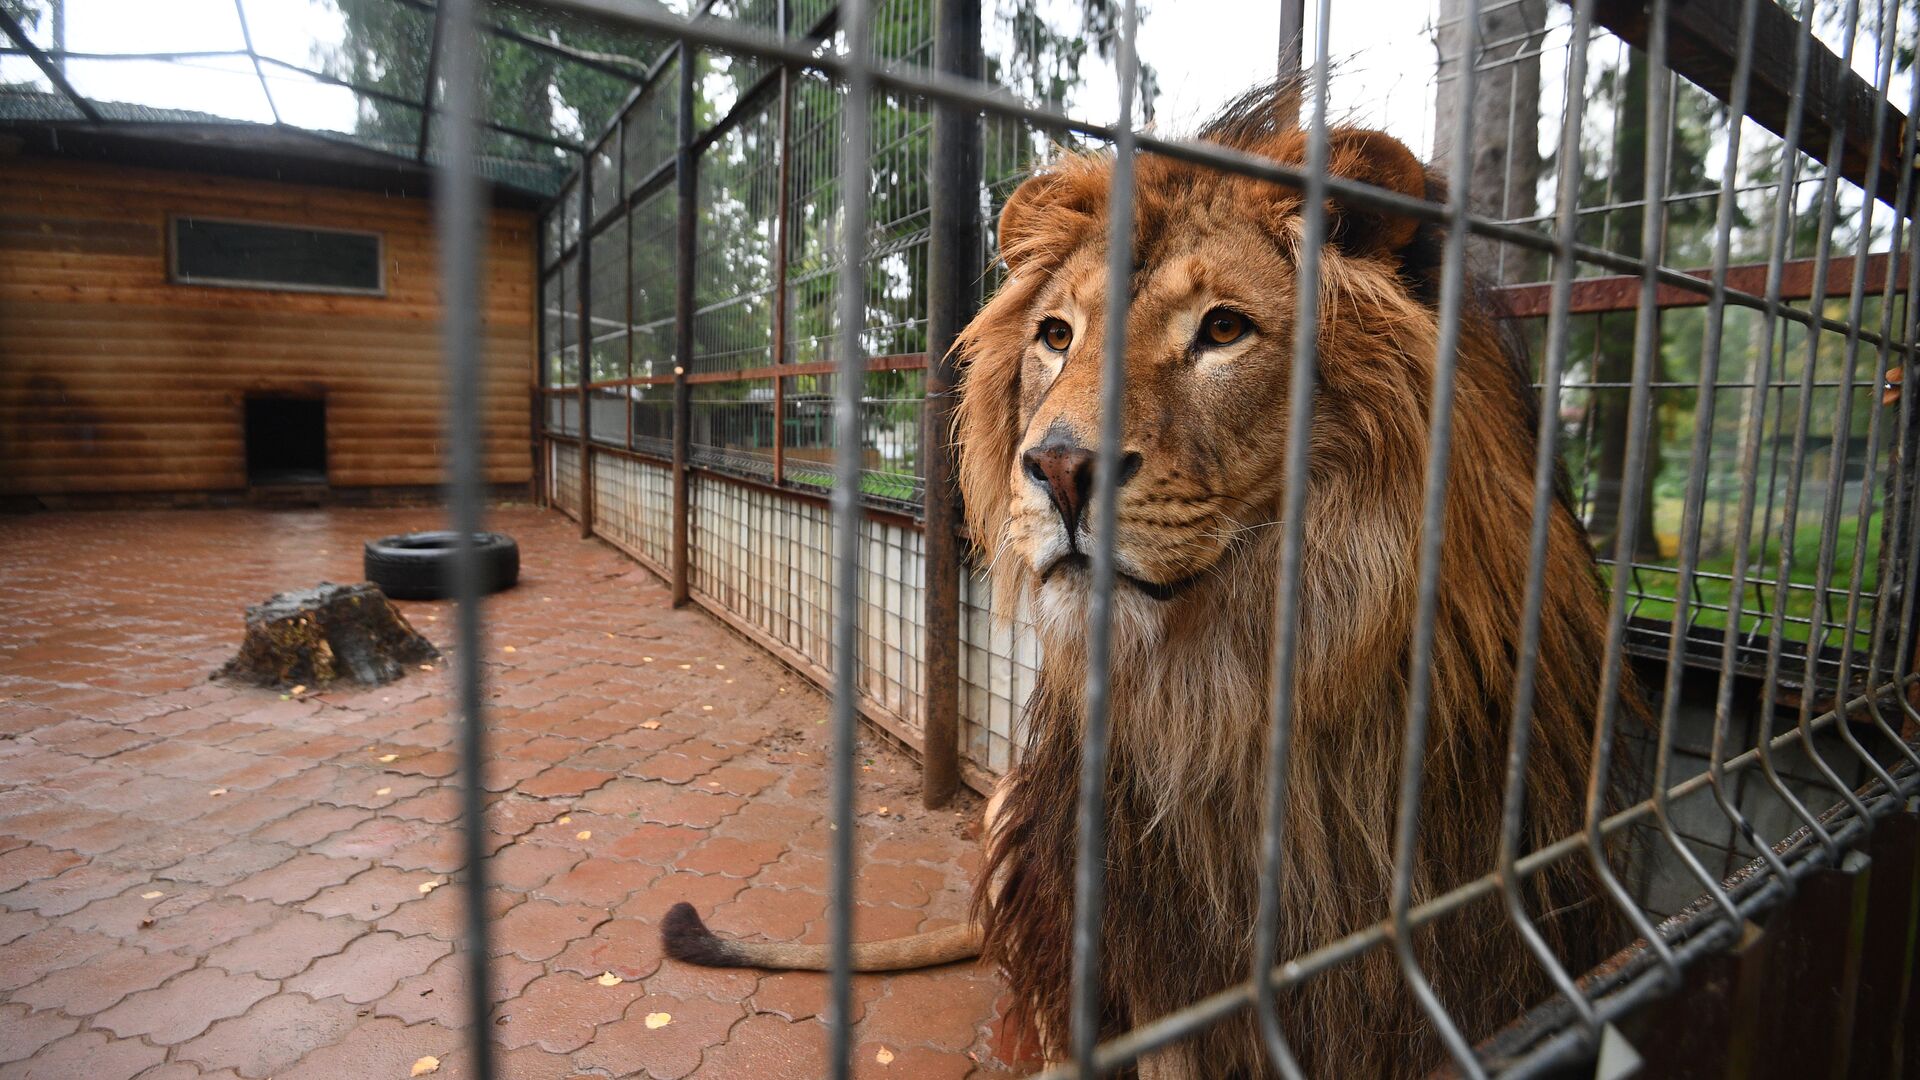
(1209,345)
(1209,338)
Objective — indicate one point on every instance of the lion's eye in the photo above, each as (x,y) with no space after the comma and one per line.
(1222,326)
(1055,334)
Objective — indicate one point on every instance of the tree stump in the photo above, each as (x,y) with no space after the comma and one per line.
(317,636)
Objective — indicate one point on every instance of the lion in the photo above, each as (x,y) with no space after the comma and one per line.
(1209,347)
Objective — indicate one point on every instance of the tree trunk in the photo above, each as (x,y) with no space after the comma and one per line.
(316,636)
(1506,123)
(1613,365)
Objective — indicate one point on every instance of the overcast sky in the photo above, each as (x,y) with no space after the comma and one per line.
(1204,51)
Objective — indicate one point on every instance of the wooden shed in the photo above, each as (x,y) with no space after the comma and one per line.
(180,324)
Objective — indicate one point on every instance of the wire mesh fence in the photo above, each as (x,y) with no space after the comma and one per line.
(1709,273)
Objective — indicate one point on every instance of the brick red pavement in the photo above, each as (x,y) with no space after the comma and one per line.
(198,880)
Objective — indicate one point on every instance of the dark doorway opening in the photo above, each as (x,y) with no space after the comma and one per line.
(286,441)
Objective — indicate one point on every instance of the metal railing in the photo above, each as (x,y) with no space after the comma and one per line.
(1842,660)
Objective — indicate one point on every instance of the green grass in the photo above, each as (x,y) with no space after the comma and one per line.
(1655,587)
(899,487)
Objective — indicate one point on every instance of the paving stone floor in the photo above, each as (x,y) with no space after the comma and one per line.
(198,880)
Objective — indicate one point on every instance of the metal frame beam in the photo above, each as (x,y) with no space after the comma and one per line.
(395,99)
(47,67)
(553,48)
(427,86)
(246,35)
(1700,48)
(956,253)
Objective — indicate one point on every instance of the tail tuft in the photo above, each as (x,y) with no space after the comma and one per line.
(686,938)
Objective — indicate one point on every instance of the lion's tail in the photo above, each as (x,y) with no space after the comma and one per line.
(687,938)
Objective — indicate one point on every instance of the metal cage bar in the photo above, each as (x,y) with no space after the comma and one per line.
(458,211)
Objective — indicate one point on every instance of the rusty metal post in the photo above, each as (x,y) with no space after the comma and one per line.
(1820,937)
(685,210)
(584,264)
(781,221)
(954,262)
(626,289)
(537,420)
(1708,1026)
(1883,1041)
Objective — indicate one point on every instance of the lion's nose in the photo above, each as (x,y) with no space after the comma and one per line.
(1065,469)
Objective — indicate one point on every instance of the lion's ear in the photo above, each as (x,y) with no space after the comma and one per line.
(1048,214)
(1372,157)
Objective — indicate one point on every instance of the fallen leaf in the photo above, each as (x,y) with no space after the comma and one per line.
(609,979)
(583,834)
(566,819)
(298,690)
(384,758)
(659,1020)
(428,886)
(153,894)
(884,1057)
(383,791)
(650,725)
(425,1065)
(218,791)
(508,648)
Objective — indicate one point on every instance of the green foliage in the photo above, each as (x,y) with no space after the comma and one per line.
(1760,598)
(386,46)
(1600,358)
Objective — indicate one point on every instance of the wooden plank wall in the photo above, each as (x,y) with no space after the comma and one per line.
(115,381)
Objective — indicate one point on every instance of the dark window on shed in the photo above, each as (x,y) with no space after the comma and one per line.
(244,254)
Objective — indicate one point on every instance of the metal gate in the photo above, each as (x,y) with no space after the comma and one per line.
(694,470)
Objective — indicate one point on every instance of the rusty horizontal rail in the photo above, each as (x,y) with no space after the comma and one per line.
(1621,292)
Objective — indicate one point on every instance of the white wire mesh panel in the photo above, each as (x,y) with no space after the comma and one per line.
(564,477)
(767,558)
(998,661)
(633,505)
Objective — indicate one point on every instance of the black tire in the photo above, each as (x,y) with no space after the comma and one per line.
(419,566)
